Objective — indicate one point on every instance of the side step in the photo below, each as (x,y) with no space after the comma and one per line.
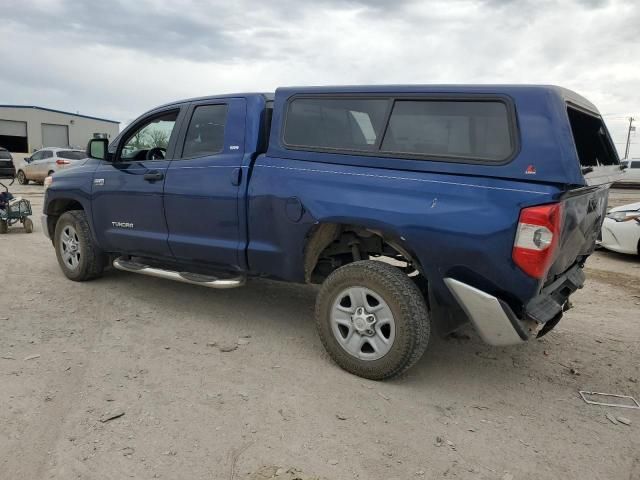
(184,277)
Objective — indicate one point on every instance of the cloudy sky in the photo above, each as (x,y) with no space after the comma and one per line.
(117,59)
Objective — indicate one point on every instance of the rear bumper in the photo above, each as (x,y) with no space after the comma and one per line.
(493,319)
(498,325)
(7,172)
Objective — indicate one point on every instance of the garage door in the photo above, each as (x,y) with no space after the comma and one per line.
(13,136)
(55,135)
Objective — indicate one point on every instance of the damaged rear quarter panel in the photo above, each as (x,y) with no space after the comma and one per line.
(455,226)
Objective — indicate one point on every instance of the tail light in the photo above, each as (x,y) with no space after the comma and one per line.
(537,238)
(62,162)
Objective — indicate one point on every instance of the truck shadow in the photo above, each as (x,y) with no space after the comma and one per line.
(270,308)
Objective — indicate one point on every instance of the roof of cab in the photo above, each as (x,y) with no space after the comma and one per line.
(504,89)
(267,96)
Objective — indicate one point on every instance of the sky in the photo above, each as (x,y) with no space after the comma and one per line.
(117,59)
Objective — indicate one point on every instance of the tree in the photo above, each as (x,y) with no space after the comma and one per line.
(157,138)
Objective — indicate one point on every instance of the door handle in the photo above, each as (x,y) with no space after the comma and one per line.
(153,176)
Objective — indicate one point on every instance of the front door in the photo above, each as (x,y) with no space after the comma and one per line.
(203,184)
(38,168)
(128,211)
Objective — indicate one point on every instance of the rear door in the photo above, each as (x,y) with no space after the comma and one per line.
(128,211)
(203,184)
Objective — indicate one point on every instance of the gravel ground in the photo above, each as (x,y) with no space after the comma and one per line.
(155,354)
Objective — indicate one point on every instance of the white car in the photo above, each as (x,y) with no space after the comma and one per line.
(631,173)
(46,161)
(621,229)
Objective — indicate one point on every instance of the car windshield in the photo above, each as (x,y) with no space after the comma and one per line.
(72,154)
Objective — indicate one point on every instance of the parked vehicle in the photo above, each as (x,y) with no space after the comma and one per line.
(47,161)
(483,203)
(621,229)
(631,172)
(7,169)
(12,209)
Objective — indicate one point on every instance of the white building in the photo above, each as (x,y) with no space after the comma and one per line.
(25,128)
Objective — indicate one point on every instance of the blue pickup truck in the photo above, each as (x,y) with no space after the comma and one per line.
(416,208)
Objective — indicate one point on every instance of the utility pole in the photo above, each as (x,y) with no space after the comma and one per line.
(631,128)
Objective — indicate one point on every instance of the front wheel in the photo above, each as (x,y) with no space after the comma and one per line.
(372,319)
(78,256)
(22,178)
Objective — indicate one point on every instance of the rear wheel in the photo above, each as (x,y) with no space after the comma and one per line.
(50,173)
(78,256)
(372,319)
(22,178)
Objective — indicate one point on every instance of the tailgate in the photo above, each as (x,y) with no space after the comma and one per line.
(584,210)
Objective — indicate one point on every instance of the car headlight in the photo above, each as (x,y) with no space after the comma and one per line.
(624,216)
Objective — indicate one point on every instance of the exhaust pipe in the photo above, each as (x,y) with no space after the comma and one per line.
(184,277)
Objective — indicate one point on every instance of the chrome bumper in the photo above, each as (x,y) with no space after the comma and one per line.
(45,227)
(493,320)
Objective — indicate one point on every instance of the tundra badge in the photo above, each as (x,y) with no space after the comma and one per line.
(122,224)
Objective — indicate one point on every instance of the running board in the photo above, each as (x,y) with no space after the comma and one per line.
(184,277)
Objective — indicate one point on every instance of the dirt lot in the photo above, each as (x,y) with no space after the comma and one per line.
(73,354)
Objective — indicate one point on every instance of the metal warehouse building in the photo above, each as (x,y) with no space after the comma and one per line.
(25,128)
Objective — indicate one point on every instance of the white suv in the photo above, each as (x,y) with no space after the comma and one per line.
(47,161)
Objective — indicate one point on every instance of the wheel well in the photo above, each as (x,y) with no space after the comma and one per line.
(56,208)
(331,245)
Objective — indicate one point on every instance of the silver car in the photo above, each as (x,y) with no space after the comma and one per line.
(47,161)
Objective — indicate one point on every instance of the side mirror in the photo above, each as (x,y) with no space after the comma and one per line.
(98,148)
(27,159)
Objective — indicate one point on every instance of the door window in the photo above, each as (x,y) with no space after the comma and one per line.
(151,140)
(205,135)
(72,154)
(37,156)
(47,154)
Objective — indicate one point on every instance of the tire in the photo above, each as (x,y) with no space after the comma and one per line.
(28,225)
(85,261)
(22,178)
(49,174)
(407,333)
(4,228)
